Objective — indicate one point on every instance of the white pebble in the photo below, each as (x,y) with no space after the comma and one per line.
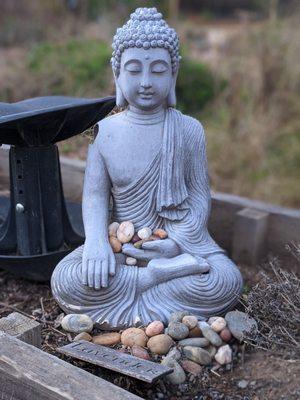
(131,261)
(125,231)
(224,355)
(144,233)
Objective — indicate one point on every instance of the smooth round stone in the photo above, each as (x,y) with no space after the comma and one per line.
(107,339)
(240,324)
(195,332)
(144,233)
(112,229)
(225,335)
(224,355)
(83,336)
(77,323)
(190,321)
(198,355)
(154,328)
(174,353)
(191,367)
(211,335)
(211,320)
(160,344)
(131,261)
(134,336)
(161,233)
(125,232)
(196,342)
(178,375)
(177,316)
(140,352)
(116,245)
(178,331)
(218,324)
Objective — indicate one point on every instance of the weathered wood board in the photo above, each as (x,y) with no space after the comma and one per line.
(22,327)
(126,364)
(28,373)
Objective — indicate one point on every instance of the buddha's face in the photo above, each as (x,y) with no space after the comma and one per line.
(145,77)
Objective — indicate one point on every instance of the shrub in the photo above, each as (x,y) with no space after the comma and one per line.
(195,86)
(76,67)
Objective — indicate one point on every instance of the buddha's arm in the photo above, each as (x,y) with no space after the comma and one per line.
(98,259)
(95,201)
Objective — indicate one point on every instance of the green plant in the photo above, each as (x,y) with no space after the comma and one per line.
(74,67)
(195,86)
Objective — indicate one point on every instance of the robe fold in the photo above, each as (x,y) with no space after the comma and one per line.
(172,193)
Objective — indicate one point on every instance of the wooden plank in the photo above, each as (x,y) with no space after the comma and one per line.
(106,357)
(28,373)
(22,327)
(250,234)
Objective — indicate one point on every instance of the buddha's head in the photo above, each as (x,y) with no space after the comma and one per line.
(145,61)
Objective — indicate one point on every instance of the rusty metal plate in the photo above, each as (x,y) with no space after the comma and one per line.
(106,357)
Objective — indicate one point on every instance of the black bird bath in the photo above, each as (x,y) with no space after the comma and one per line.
(37,231)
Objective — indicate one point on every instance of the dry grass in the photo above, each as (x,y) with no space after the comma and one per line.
(275,304)
(253,127)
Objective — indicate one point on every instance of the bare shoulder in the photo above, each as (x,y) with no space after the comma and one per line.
(109,129)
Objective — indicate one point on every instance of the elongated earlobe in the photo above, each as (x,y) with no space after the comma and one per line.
(120,99)
(171,99)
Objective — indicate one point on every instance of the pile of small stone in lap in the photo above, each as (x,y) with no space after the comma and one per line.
(186,345)
(124,233)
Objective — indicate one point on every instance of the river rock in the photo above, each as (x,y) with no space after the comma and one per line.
(107,339)
(115,244)
(191,367)
(161,233)
(177,316)
(134,336)
(112,229)
(178,375)
(240,324)
(190,321)
(218,324)
(77,323)
(131,261)
(224,355)
(140,352)
(125,232)
(174,353)
(154,328)
(211,335)
(197,354)
(178,330)
(195,342)
(83,336)
(225,335)
(160,344)
(144,233)
(195,332)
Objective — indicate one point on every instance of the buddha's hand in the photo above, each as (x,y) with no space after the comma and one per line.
(166,248)
(98,263)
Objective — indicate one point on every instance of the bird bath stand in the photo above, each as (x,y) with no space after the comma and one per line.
(37,231)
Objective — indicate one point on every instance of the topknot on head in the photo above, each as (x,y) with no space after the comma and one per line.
(146,29)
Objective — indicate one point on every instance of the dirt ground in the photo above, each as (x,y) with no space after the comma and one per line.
(264,375)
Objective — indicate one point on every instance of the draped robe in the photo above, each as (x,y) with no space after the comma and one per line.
(172,193)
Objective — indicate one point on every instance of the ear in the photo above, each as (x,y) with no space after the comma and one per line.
(171,99)
(120,99)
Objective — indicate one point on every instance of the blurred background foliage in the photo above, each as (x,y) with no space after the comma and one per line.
(239,75)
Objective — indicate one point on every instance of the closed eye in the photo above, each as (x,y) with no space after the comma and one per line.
(159,67)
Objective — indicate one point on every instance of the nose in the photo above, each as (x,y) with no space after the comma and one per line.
(145,82)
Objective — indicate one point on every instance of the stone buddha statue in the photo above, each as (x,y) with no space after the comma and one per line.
(150,159)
